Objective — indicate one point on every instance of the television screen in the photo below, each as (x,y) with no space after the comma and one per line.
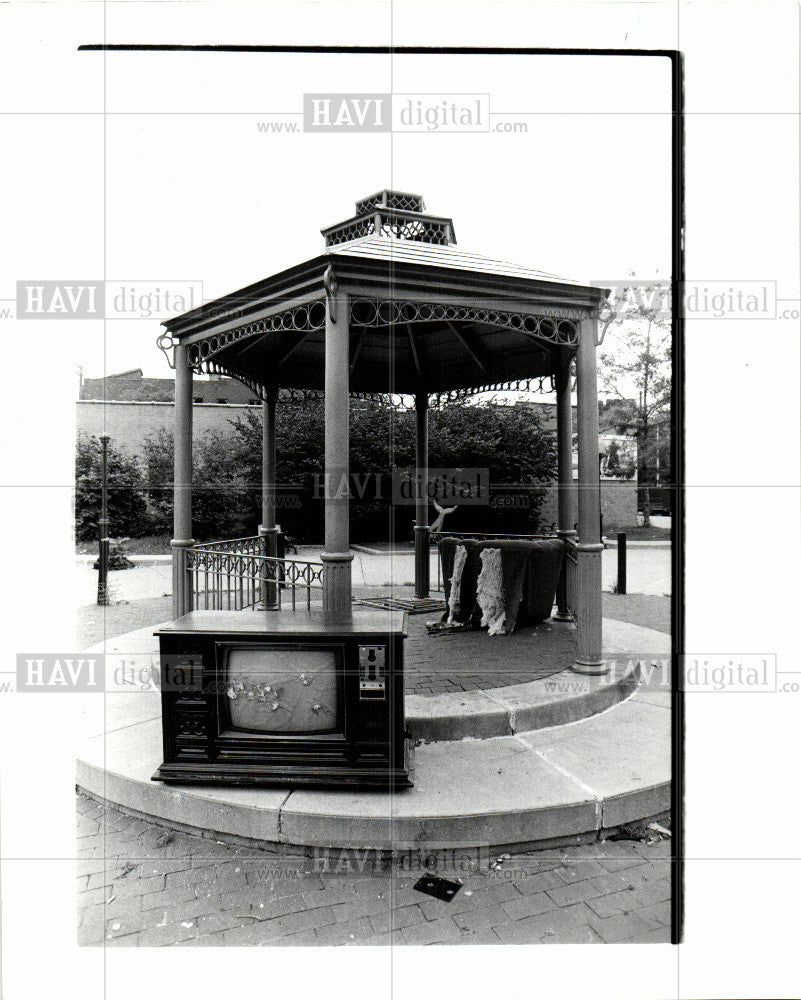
(273,690)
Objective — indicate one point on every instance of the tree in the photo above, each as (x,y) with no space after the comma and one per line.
(636,368)
(126,499)
(509,442)
(225,502)
(506,440)
(157,457)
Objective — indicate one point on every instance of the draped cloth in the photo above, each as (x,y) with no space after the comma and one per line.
(459,559)
(489,591)
(530,570)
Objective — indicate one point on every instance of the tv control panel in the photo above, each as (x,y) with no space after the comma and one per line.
(372,673)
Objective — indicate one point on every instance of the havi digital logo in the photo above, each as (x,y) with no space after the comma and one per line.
(396,113)
(60,299)
(60,672)
(347,112)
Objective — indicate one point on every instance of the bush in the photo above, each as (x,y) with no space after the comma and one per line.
(226,502)
(223,499)
(508,441)
(158,466)
(127,508)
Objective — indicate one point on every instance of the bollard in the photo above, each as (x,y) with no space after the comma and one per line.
(621,562)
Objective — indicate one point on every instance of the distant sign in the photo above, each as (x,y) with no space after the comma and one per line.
(618,456)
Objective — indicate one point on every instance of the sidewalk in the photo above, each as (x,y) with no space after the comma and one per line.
(139,884)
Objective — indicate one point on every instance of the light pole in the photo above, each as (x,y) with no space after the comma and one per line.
(102,577)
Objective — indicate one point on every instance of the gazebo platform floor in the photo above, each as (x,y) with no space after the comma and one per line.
(473,660)
(476,661)
(513,784)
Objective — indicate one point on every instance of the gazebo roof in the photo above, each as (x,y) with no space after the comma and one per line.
(433,255)
(425,314)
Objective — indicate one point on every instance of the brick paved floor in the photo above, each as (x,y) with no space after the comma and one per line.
(475,661)
(139,884)
(465,661)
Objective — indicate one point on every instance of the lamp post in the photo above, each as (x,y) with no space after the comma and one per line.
(102,577)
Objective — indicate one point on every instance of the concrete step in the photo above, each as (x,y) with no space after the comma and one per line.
(504,711)
(544,786)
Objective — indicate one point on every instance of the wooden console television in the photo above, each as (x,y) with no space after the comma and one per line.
(284,698)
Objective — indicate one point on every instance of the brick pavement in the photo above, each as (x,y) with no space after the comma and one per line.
(475,661)
(141,885)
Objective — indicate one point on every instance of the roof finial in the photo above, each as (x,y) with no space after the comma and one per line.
(396,215)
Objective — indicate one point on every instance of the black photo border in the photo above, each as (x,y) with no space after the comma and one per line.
(677,342)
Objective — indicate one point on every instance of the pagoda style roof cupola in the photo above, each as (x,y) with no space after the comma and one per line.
(395,215)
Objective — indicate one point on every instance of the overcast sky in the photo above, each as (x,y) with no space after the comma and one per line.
(584,192)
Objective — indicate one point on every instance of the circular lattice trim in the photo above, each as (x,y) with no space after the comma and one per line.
(551,329)
(301,319)
(368,312)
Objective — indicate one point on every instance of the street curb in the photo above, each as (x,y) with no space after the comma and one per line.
(612,544)
(135,559)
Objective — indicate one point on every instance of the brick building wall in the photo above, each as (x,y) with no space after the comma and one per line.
(128,423)
(131,408)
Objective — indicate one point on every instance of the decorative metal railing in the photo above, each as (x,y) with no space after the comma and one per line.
(235,574)
(252,545)
(390,199)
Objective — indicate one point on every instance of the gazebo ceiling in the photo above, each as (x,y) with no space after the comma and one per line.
(425,315)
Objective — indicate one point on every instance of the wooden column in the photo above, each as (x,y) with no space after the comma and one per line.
(336,554)
(566,490)
(589,654)
(422,544)
(268,529)
(182,485)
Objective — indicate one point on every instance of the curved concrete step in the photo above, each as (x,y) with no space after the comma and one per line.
(544,786)
(551,701)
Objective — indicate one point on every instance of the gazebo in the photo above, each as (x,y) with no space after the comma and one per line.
(393,306)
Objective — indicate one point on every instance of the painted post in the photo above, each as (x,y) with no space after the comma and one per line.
(566,490)
(182,485)
(336,555)
(621,562)
(268,530)
(589,639)
(102,524)
(422,543)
